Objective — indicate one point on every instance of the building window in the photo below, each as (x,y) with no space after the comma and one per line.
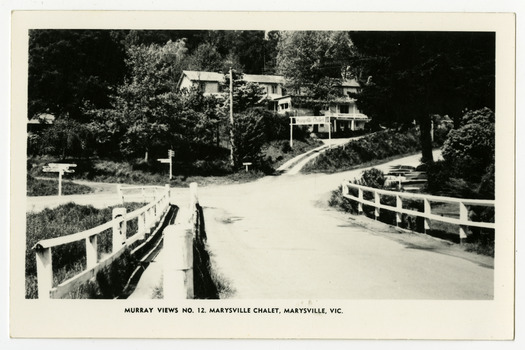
(274,89)
(343,109)
(284,106)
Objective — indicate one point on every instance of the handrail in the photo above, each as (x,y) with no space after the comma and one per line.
(463,221)
(147,216)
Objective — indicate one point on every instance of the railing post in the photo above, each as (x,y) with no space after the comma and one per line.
(463,218)
(120,194)
(360,203)
(399,207)
(119,228)
(44,271)
(167,187)
(345,189)
(141,223)
(194,199)
(91,251)
(377,201)
(427,211)
(178,269)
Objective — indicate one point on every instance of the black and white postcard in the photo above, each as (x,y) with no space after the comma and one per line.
(307,175)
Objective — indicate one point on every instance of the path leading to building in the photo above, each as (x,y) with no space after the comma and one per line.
(294,165)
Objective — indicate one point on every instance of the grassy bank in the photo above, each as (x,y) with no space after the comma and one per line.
(367,151)
(49,187)
(204,172)
(66,219)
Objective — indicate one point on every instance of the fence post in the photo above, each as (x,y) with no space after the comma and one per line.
(377,201)
(427,211)
(119,228)
(463,218)
(399,207)
(91,251)
(178,269)
(120,194)
(44,271)
(141,223)
(194,199)
(345,189)
(360,203)
(168,196)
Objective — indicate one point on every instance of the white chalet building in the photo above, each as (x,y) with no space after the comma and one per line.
(342,112)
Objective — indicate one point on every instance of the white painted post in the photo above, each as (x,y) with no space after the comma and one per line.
(329,129)
(171,166)
(399,207)
(167,187)
(120,194)
(463,218)
(194,199)
(119,228)
(143,194)
(44,271)
(360,204)
(141,224)
(377,201)
(178,269)
(91,251)
(291,133)
(345,189)
(60,173)
(428,211)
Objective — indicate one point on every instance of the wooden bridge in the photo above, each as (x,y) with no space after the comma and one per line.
(139,232)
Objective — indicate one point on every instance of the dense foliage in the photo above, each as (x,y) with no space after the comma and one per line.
(467,169)
(377,146)
(407,76)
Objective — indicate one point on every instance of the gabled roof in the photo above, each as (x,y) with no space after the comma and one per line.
(268,79)
(203,76)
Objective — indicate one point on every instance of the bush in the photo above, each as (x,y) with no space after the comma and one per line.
(377,146)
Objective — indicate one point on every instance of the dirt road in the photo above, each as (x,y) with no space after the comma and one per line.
(276,238)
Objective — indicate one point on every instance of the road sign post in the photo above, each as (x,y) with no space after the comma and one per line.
(59,168)
(168,160)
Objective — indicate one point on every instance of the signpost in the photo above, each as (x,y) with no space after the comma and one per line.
(171,154)
(59,168)
(310,120)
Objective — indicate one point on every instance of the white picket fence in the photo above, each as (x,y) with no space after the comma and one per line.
(463,221)
(148,217)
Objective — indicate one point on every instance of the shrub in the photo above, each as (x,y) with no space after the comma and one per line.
(377,146)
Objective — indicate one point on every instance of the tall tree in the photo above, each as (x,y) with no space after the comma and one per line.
(407,76)
(310,58)
(68,68)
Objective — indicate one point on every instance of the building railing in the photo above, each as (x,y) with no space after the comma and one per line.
(147,218)
(463,221)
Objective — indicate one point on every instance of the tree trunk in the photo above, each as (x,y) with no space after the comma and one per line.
(425,128)
(146,156)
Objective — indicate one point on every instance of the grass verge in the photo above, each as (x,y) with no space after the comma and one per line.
(66,219)
(49,187)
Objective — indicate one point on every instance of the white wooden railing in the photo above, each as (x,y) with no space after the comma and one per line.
(147,218)
(463,221)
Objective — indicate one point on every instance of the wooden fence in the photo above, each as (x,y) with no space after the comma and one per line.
(463,221)
(147,218)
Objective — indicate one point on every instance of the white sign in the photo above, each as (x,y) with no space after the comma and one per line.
(59,168)
(311,120)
